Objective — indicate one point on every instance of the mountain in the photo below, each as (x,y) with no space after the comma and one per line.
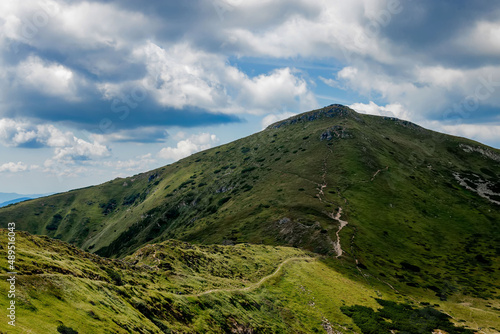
(380,204)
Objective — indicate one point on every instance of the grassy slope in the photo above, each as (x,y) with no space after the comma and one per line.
(97,295)
(411,225)
(59,283)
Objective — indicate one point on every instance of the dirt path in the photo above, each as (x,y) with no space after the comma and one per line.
(343,223)
(254,285)
(323,184)
(376,173)
(335,216)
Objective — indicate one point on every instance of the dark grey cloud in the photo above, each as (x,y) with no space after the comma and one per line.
(99,116)
(206,23)
(426,29)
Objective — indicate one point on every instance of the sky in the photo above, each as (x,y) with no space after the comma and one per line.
(94,90)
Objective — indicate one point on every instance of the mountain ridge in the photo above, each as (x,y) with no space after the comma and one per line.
(379,201)
(286,184)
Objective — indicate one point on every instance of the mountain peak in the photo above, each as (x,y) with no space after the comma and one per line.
(333,110)
(336,111)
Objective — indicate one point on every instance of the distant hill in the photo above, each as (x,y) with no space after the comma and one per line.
(14,201)
(4,197)
(379,200)
(12,198)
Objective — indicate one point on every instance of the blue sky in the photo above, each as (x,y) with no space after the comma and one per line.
(93,90)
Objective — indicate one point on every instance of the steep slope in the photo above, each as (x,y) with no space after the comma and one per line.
(176,287)
(414,208)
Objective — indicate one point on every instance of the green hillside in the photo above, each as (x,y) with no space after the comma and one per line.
(384,202)
(176,287)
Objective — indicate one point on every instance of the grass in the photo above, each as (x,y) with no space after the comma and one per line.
(58,282)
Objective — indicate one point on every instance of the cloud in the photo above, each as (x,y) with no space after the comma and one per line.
(481,39)
(68,149)
(484,133)
(60,64)
(17,167)
(188,146)
(81,150)
(13,167)
(68,27)
(427,62)
(15,133)
(184,76)
(430,92)
(342,29)
(53,80)
(273,118)
(62,171)
(443,33)
(150,134)
(331,82)
(63,59)
(280,90)
(139,163)
(391,110)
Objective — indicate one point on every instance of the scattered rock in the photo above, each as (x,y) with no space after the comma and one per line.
(333,110)
(284,220)
(327,326)
(481,187)
(337,132)
(224,189)
(404,123)
(241,329)
(485,152)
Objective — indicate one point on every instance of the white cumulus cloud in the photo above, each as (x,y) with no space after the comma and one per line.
(13,167)
(81,150)
(49,78)
(139,163)
(68,148)
(391,110)
(188,146)
(20,133)
(183,76)
(273,118)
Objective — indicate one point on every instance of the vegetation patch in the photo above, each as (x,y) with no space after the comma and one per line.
(54,223)
(402,318)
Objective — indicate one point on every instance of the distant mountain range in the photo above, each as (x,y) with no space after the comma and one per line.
(13,198)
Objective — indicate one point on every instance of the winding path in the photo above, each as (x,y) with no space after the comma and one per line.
(321,194)
(254,285)
(343,224)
